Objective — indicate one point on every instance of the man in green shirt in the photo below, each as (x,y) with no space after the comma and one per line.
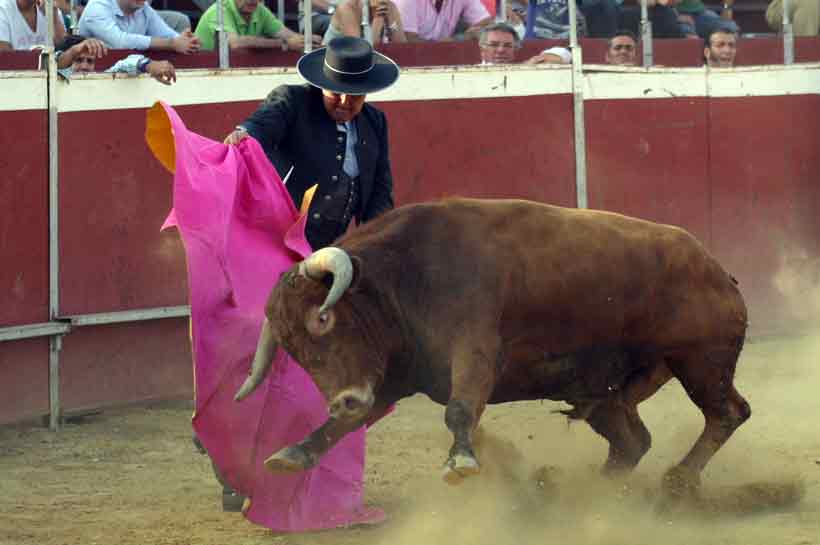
(249,23)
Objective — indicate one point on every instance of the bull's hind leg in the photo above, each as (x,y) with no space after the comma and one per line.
(618,421)
(473,379)
(707,375)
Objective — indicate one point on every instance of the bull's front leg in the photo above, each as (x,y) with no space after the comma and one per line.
(473,379)
(347,414)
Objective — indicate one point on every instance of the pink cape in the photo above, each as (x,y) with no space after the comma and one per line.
(241,231)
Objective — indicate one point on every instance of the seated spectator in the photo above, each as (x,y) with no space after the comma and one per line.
(498,44)
(622,49)
(720,48)
(249,23)
(662,15)
(23,24)
(601,16)
(178,21)
(79,7)
(549,19)
(804,15)
(553,55)
(132,24)
(78,55)
(436,20)
(695,20)
(516,13)
(323,11)
(385,22)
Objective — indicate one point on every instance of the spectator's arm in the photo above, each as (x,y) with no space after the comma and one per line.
(98,22)
(128,65)
(5,46)
(346,21)
(296,42)
(5,35)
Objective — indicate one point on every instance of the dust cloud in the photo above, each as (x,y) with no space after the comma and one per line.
(540,480)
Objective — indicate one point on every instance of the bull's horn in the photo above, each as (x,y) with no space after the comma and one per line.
(329,260)
(262,360)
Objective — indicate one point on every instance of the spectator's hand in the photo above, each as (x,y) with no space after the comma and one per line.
(93,47)
(512,17)
(162,71)
(382,9)
(235,137)
(186,43)
(295,42)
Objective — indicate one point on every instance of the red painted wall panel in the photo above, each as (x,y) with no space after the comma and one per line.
(511,147)
(764,170)
(649,158)
(23,379)
(23,217)
(125,363)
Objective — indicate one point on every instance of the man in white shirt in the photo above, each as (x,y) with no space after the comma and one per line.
(133,24)
(436,20)
(23,24)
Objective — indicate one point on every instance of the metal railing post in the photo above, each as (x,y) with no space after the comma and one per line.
(280,10)
(367,32)
(578,108)
(55,341)
(788,35)
(646,36)
(222,37)
(501,11)
(308,11)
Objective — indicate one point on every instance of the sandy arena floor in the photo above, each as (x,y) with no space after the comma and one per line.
(132,477)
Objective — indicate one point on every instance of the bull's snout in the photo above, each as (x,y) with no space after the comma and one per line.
(352,404)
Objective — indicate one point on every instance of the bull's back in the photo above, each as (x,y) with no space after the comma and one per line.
(555,276)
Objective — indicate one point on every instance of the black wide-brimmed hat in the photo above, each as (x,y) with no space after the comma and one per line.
(348,65)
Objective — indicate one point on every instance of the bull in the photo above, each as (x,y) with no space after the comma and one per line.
(489,301)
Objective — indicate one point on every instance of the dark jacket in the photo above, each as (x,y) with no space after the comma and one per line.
(294,129)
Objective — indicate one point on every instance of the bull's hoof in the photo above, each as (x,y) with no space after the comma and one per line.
(679,486)
(458,467)
(290,460)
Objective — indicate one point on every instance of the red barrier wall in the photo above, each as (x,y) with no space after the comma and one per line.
(508,147)
(23,217)
(125,363)
(23,379)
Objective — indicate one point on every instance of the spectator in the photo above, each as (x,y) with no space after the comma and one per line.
(804,15)
(436,20)
(385,21)
(249,23)
(549,19)
(662,15)
(695,20)
(498,44)
(323,11)
(601,16)
(553,55)
(132,24)
(720,48)
(23,24)
(622,49)
(178,21)
(78,55)
(79,7)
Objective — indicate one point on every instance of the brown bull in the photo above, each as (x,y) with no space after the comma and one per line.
(474,302)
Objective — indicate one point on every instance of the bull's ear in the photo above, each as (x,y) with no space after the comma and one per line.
(320,323)
(356,261)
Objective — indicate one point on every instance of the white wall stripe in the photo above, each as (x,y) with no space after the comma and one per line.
(23,91)
(27,90)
